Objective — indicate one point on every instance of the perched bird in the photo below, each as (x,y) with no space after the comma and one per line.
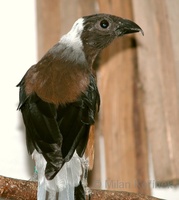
(59,99)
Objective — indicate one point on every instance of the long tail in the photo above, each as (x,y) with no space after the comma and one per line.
(66,184)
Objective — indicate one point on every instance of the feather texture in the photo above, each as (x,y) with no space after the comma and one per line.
(62,186)
(57,136)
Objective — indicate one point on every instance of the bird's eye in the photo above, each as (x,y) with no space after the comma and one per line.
(104,23)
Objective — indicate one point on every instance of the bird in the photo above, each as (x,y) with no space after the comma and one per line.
(59,101)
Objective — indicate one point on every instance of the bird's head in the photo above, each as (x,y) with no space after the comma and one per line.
(101,29)
(94,32)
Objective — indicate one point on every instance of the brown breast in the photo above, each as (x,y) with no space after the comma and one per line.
(57,82)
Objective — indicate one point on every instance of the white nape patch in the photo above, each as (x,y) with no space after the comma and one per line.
(73,37)
(71,44)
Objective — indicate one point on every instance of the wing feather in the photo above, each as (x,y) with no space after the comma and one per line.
(56,132)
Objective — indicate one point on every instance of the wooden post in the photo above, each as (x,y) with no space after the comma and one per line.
(159,74)
(48,24)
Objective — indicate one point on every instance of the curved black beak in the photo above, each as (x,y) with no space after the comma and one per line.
(126,27)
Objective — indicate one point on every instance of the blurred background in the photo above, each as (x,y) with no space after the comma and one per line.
(137,131)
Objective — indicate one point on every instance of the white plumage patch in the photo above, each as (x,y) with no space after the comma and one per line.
(73,37)
(63,183)
(71,44)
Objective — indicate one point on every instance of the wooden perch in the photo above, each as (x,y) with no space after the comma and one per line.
(14,189)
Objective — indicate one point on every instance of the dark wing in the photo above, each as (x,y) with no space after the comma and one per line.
(75,120)
(57,132)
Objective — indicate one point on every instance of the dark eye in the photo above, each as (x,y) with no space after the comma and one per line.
(104,23)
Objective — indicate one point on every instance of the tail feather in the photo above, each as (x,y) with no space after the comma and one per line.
(62,186)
